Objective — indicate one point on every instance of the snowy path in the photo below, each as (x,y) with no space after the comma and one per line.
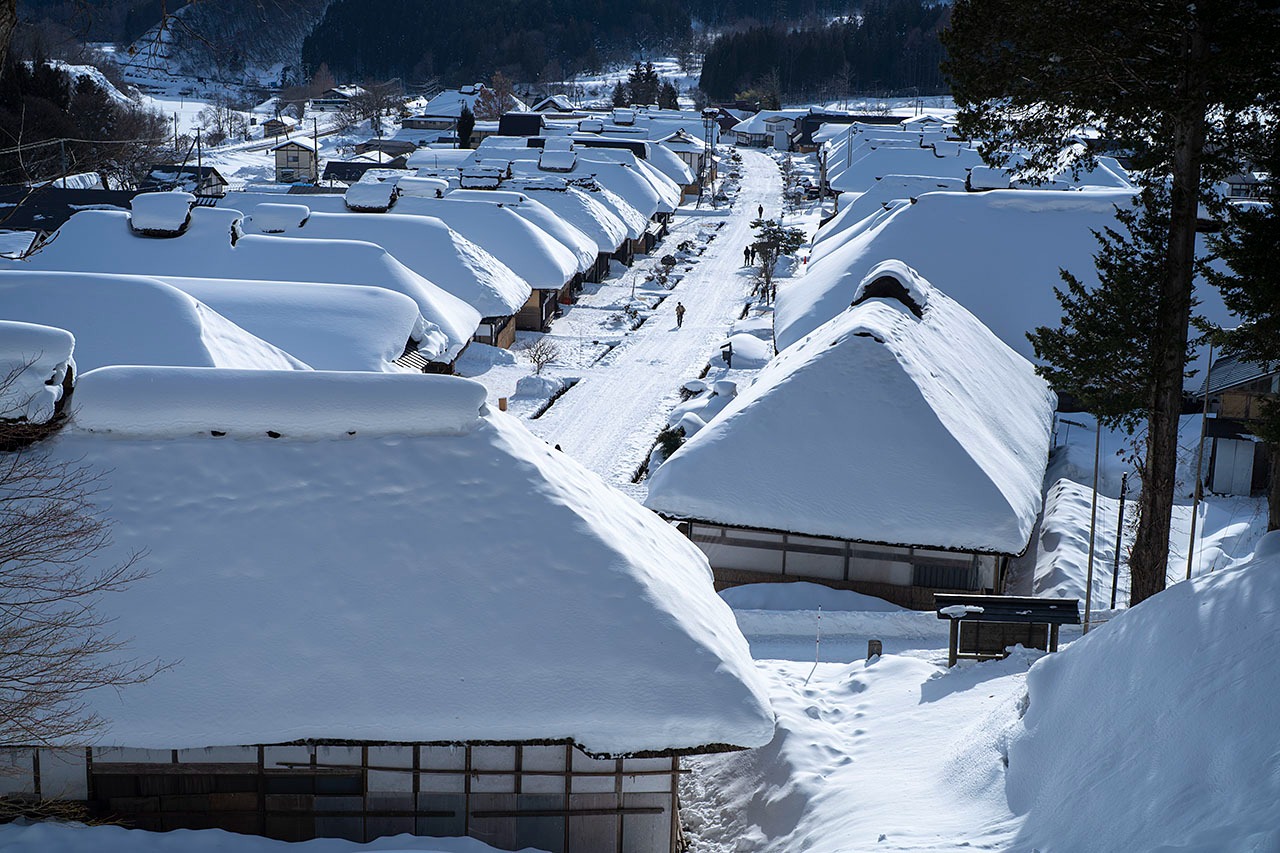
(609,420)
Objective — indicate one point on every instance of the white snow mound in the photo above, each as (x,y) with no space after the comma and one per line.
(1158,729)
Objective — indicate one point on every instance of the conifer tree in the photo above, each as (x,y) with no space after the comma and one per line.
(668,97)
(466,125)
(1250,288)
(1176,83)
(1101,353)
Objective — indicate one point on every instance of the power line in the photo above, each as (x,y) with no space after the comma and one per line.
(46,142)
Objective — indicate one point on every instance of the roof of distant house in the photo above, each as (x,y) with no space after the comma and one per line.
(902,421)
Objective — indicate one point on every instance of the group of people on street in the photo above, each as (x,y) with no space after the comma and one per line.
(749,255)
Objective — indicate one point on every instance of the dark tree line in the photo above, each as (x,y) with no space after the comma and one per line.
(892,46)
(464,42)
(40,103)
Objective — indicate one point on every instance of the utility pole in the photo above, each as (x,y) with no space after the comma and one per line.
(175,135)
(62,154)
(315,139)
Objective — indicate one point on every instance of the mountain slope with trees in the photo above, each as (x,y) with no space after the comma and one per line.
(891,46)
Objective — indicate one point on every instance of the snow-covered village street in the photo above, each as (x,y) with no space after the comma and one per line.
(608,421)
(523,445)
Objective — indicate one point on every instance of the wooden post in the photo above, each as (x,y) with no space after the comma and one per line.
(1093,524)
(1195,502)
(1053,637)
(874,648)
(1115,563)
(953,644)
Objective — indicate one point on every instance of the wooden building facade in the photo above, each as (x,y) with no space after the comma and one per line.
(905,575)
(548,795)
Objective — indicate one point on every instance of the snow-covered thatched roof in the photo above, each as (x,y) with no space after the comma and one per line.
(329,326)
(424,244)
(533,210)
(902,421)
(531,253)
(402,564)
(34,360)
(126,319)
(580,209)
(997,252)
(101,241)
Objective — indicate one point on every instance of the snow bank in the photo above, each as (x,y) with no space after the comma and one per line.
(478,586)
(99,241)
(77,838)
(802,595)
(177,401)
(33,364)
(329,326)
(124,319)
(882,426)
(424,244)
(160,213)
(1158,730)
(749,352)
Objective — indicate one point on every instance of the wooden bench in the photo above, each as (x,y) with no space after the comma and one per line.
(984,626)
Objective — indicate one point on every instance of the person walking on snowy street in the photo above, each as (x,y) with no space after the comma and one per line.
(760,211)
(746,256)
(679,314)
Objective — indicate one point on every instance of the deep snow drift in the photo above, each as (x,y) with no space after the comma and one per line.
(1157,731)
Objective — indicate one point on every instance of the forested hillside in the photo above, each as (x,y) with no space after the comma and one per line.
(892,46)
(526,39)
(467,41)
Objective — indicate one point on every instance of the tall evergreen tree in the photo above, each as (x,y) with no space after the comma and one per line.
(1101,353)
(466,125)
(1250,288)
(668,96)
(1165,79)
